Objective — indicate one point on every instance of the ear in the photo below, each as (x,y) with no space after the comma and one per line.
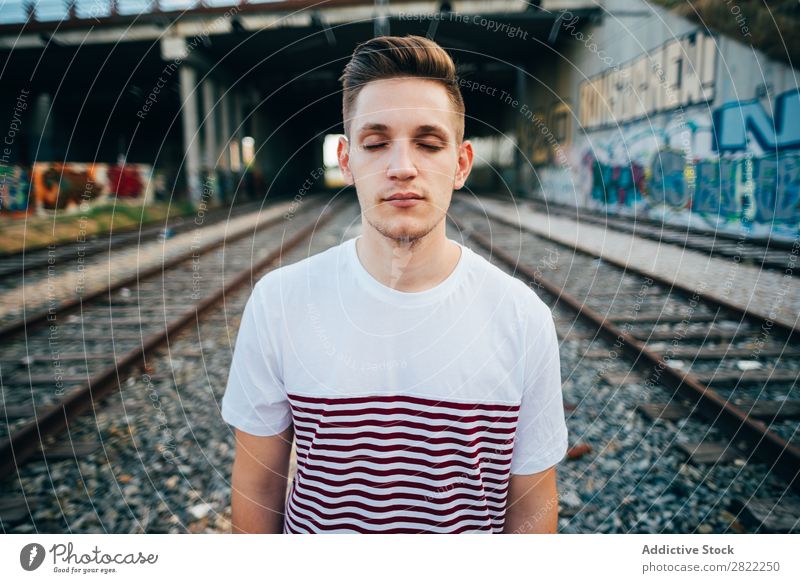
(465,157)
(343,154)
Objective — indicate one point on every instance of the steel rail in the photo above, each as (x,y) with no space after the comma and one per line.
(39,318)
(28,440)
(782,457)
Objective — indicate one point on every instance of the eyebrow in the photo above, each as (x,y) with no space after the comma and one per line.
(423,129)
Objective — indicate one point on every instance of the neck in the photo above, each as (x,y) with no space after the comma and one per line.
(408,267)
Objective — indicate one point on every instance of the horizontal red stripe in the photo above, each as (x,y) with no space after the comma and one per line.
(498,469)
(402,399)
(327,413)
(349,437)
(433,510)
(309,424)
(313,465)
(320,426)
(385,521)
(494,503)
(487,483)
(502,491)
(320,527)
(305,445)
(296,528)
(408,460)
(486,475)
(430,498)
(409,449)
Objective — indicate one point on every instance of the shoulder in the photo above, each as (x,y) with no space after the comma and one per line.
(496,284)
(290,280)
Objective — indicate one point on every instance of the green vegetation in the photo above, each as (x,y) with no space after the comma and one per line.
(67,225)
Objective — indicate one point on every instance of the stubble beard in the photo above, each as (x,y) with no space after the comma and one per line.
(404,236)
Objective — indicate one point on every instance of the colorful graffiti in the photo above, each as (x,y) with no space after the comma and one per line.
(59,185)
(777,190)
(616,185)
(743,168)
(735,121)
(126,181)
(723,188)
(14,189)
(763,190)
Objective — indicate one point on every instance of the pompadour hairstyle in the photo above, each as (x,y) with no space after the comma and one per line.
(386,57)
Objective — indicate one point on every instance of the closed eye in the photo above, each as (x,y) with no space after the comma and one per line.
(431,147)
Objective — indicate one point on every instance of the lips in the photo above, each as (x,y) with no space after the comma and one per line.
(404,196)
(404,200)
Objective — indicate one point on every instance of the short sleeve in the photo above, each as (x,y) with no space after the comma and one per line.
(255,398)
(541,437)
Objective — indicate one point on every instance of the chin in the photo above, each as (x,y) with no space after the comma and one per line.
(408,230)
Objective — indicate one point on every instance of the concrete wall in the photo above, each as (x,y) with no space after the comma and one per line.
(668,119)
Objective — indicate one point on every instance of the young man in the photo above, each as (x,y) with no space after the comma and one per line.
(421,383)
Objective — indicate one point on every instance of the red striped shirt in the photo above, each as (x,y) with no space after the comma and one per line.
(399,464)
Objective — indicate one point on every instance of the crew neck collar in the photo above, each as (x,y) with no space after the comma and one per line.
(401,298)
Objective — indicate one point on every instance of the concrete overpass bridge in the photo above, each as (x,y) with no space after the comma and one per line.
(217,87)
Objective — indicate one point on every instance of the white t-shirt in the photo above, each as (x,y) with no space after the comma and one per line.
(410,410)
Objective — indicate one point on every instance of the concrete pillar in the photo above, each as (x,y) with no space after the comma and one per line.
(225,130)
(209,126)
(236,141)
(255,127)
(223,145)
(191,142)
(237,160)
(381,22)
(522,188)
(258,155)
(41,144)
(210,147)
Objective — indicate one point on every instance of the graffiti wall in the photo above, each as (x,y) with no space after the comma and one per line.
(678,73)
(14,190)
(677,123)
(737,169)
(49,186)
(750,192)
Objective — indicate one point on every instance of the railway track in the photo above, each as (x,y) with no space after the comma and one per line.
(53,374)
(33,265)
(718,364)
(618,296)
(770,254)
(50,307)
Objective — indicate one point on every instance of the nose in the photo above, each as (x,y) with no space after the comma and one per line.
(401,162)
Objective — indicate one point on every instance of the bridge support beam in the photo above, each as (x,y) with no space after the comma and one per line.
(41,149)
(223,144)
(210,148)
(259,154)
(236,134)
(236,145)
(191,142)
(521,186)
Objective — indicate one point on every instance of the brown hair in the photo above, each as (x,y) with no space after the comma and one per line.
(385,57)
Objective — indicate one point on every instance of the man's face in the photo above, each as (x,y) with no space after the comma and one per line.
(403,136)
